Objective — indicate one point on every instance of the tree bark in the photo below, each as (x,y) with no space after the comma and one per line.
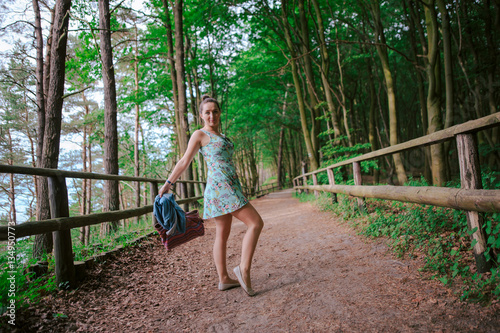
(43,243)
(111,192)
(371,118)
(433,70)
(53,112)
(170,52)
(89,192)
(343,101)
(280,145)
(311,85)
(325,70)
(448,63)
(40,97)
(83,204)
(137,125)
(391,96)
(183,128)
(12,187)
(416,27)
(313,161)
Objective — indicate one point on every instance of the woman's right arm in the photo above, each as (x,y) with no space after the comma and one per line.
(193,147)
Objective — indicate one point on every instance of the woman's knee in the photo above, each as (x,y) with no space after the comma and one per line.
(258,224)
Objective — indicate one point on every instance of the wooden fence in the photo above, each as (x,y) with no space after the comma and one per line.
(470,197)
(61,223)
(262,190)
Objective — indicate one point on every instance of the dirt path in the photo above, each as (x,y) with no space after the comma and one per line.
(312,274)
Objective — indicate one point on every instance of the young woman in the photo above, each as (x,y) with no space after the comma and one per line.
(223,196)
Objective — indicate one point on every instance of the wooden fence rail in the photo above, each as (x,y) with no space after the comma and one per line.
(61,223)
(262,190)
(470,197)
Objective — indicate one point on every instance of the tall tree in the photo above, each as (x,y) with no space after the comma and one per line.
(43,243)
(181,111)
(433,70)
(313,159)
(54,103)
(325,70)
(389,82)
(137,122)
(111,193)
(310,81)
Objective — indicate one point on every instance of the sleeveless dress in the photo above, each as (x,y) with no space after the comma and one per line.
(223,192)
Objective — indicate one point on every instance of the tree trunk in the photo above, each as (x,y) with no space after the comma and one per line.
(136,130)
(83,205)
(111,192)
(280,146)
(33,190)
(372,120)
(53,112)
(325,70)
(43,243)
(170,53)
(434,92)
(40,98)
(491,73)
(183,126)
(416,27)
(213,91)
(313,161)
(311,86)
(448,64)
(253,165)
(12,187)
(343,101)
(89,193)
(391,96)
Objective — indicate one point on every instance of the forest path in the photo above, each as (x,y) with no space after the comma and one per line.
(312,274)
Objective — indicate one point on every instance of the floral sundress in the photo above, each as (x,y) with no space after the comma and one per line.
(223,194)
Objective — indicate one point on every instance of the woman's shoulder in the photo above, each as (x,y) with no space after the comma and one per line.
(200,133)
(201,136)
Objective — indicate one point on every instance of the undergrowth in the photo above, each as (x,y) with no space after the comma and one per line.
(30,290)
(438,236)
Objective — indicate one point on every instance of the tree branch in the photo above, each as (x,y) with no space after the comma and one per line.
(76,92)
(117,6)
(16,22)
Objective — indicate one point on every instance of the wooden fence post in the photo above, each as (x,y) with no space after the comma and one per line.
(63,249)
(470,177)
(331,181)
(184,195)
(356,169)
(315,182)
(153,188)
(304,183)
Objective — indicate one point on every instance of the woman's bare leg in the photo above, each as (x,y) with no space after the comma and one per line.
(222,230)
(254,223)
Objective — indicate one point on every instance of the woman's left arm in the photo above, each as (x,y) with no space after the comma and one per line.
(192,149)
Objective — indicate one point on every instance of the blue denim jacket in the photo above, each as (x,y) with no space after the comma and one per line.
(168,213)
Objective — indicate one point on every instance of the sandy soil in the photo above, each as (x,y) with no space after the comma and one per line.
(312,274)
